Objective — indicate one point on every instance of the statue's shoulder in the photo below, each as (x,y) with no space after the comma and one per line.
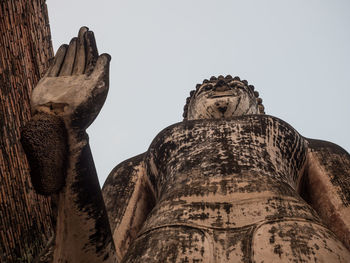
(187,126)
(315,145)
(125,169)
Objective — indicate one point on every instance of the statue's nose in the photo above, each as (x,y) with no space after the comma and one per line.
(221,86)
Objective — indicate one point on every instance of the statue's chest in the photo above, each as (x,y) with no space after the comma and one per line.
(255,143)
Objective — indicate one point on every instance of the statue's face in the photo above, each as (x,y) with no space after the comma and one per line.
(222,99)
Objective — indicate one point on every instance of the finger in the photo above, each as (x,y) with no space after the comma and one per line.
(102,66)
(51,62)
(58,60)
(68,63)
(91,52)
(79,64)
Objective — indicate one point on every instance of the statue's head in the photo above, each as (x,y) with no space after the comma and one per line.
(222,97)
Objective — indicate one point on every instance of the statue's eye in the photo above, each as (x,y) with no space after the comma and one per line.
(236,85)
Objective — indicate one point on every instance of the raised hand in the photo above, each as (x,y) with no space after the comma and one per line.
(76,84)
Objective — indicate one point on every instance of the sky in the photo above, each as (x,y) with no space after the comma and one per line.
(296,54)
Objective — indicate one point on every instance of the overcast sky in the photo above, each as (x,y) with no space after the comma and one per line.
(296,54)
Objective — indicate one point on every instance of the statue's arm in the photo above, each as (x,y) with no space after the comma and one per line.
(326,186)
(64,103)
(129,197)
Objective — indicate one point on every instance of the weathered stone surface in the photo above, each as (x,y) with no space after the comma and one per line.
(231,185)
(44,139)
(76,84)
(327,183)
(129,197)
(228,184)
(64,103)
(233,182)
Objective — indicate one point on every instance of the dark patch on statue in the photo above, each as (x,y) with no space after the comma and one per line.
(44,140)
(89,200)
(177,149)
(86,113)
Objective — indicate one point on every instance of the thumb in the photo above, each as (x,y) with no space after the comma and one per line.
(101,68)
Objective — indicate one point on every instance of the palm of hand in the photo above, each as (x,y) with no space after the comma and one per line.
(75,86)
